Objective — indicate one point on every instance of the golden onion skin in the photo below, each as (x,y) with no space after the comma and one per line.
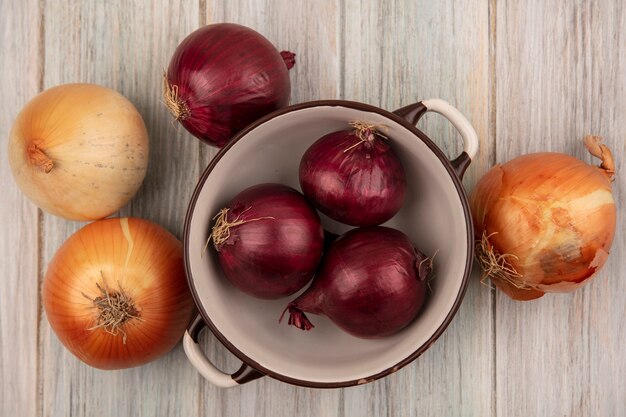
(129,255)
(553,213)
(79,151)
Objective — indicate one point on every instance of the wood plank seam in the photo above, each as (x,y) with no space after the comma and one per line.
(342,48)
(202,21)
(40,224)
(492,111)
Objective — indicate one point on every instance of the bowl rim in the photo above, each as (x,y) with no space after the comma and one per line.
(469,232)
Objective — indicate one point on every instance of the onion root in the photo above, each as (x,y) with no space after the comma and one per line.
(115,309)
(496,266)
(174,103)
(221,230)
(425,269)
(366,132)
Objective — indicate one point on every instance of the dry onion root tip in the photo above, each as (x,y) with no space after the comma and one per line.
(38,157)
(496,266)
(174,103)
(596,148)
(220,232)
(424,265)
(366,132)
(114,310)
(297,318)
(425,270)
(289,58)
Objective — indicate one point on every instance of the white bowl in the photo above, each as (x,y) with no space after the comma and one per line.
(435,215)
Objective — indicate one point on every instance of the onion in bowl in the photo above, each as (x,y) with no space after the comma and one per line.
(353,176)
(372,283)
(269,240)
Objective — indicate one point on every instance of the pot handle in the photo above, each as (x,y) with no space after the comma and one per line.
(414,112)
(198,359)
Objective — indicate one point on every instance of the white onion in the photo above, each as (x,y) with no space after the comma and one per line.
(79,151)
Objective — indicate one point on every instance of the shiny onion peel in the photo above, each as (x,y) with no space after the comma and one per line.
(545,222)
(371,283)
(269,240)
(116,295)
(354,176)
(223,77)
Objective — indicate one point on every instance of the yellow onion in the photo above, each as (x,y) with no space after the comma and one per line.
(116,295)
(79,151)
(545,222)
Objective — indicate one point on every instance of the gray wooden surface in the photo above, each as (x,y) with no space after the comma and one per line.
(533,75)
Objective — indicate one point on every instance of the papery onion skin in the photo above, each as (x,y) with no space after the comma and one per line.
(360,183)
(223,77)
(131,255)
(371,283)
(79,151)
(551,215)
(275,252)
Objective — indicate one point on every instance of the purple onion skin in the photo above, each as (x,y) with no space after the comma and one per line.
(228,75)
(271,258)
(372,283)
(362,186)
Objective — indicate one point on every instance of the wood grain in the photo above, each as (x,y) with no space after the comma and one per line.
(530,76)
(124,48)
(561,74)
(19,261)
(443,52)
(311,30)
(383,397)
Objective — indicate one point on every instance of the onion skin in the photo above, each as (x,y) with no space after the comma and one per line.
(552,214)
(276,251)
(226,77)
(79,151)
(138,257)
(372,283)
(354,182)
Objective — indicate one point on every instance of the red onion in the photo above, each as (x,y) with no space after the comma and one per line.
(269,240)
(371,283)
(224,76)
(353,176)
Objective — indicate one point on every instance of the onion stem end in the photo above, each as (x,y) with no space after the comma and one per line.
(38,157)
(596,148)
